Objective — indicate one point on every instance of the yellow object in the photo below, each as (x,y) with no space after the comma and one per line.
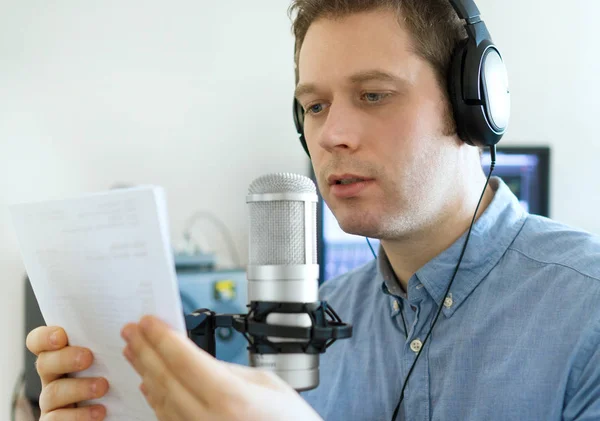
(225,290)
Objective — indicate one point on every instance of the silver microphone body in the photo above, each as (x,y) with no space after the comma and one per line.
(282,265)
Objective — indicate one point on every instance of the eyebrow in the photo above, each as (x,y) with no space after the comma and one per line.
(360,77)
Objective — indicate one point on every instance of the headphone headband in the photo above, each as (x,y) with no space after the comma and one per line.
(466,10)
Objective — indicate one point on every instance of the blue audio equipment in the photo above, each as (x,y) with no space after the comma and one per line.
(221,291)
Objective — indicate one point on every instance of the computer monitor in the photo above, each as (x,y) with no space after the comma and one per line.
(525,170)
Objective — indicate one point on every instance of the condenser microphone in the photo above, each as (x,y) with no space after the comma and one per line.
(282,268)
(286,325)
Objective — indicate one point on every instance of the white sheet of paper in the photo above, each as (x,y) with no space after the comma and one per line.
(95,263)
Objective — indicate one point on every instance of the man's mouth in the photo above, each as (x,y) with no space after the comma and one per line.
(346,179)
(349,180)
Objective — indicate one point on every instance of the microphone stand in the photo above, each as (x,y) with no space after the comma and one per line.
(326,328)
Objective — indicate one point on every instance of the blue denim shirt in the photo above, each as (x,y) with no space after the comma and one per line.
(518,337)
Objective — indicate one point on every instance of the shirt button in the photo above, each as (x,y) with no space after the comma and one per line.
(395,306)
(416,345)
(448,301)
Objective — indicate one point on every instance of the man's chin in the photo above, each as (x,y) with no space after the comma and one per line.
(360,229)
(358,221)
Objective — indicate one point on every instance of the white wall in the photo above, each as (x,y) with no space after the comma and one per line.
(195,96)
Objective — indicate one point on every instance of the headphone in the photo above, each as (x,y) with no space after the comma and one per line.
(477,84)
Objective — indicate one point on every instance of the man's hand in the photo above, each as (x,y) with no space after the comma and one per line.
(60,394)
(181,382)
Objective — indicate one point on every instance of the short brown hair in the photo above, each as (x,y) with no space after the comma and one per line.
(435,27)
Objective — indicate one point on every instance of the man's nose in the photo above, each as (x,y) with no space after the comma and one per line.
(341,129)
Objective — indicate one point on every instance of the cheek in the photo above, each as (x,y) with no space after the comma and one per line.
(397,142)
(416,122)
(407,154)
(413,136)
(317,165)
(316,161)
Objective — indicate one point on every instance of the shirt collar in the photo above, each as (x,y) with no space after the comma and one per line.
(490,237)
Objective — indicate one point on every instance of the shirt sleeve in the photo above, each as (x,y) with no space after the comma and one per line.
(582,400)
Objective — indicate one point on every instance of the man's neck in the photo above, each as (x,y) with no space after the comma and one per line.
(408,255)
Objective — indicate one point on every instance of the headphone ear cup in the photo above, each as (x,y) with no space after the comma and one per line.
(455,90)
(496,93)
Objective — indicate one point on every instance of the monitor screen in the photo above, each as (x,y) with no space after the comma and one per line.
(525,170)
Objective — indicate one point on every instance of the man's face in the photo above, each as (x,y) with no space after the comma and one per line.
(375,121)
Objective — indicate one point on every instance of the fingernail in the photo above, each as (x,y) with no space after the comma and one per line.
(78,360)
(127,353)
(94,388)
(145,323)
(126,333)
(54,338)
(96,412)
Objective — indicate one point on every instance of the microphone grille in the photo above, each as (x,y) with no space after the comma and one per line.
(279,228)
(282,183)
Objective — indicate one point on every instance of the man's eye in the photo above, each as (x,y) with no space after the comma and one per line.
(315,109)
(373,97)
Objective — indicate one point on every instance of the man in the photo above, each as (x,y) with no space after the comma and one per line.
(519,333)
